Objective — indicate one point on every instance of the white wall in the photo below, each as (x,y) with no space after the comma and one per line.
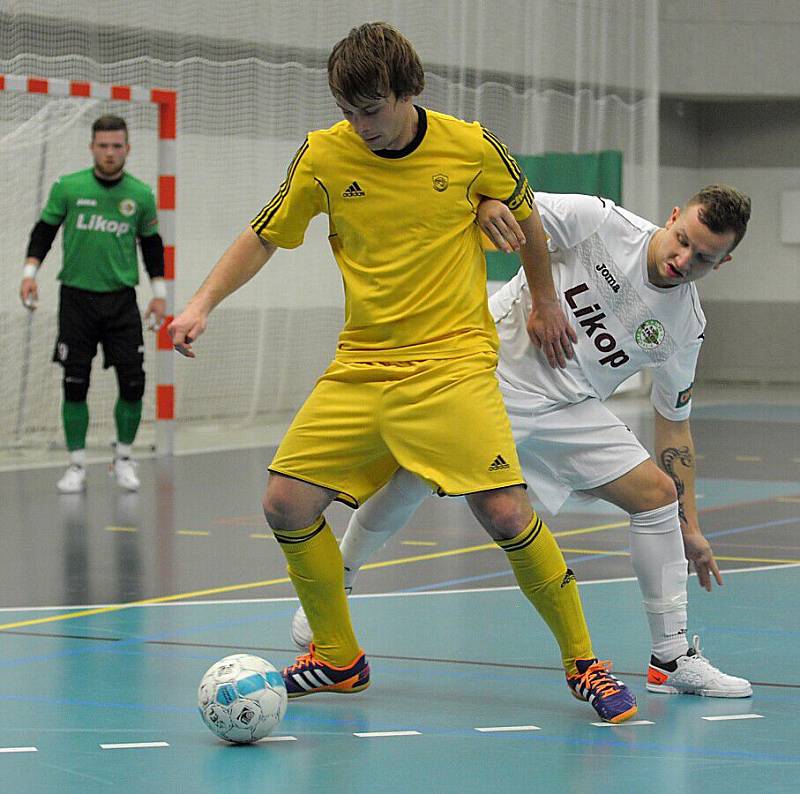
(735,48)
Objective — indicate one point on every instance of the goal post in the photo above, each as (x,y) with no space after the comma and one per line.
(165,102)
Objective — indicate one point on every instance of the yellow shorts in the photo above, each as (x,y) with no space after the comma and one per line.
(442,419)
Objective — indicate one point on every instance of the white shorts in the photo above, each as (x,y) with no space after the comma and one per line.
(564,448)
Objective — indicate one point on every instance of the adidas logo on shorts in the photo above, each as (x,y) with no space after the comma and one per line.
(569,576)
(354,191)
(499,463)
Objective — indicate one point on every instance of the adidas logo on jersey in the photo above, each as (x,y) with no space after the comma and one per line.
(569,576)
(499,463)
(354,191)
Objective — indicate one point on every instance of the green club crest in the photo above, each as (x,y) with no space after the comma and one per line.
(649,334)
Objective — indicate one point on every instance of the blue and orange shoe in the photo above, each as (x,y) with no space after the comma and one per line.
(310,674)
(611,699)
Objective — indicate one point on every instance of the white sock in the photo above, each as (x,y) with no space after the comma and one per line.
(77,457)
(379,518)
(660,565)
(122,450)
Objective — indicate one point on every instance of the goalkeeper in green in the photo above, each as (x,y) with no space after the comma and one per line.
(103,210)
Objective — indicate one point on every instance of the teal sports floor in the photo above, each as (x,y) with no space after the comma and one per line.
(113,605)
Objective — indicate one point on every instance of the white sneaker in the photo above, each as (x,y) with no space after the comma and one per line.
(124,470)
(302,636)
(693,674)
(74,479)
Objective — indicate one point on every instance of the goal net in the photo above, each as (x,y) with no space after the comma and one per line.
(555,75)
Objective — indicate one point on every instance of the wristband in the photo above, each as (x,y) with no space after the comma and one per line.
(159,288)
(29,271)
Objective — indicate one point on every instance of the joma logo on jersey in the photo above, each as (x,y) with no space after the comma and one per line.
(606,274)
(97,223)
(595,330)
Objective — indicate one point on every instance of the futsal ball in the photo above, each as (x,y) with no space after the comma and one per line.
(242,698)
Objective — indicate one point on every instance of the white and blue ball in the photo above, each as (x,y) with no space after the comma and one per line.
(242,698)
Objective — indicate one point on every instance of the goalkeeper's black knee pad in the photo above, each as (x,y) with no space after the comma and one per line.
(76,382)
(130,378)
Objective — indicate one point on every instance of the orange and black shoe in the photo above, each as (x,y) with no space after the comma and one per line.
(310,674)
(611,699)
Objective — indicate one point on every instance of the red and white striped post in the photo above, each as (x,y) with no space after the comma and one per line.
(165,355)
(167,102)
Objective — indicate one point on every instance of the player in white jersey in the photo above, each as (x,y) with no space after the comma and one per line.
(626,284)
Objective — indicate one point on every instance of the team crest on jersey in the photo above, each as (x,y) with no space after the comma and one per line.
(649,334)
(127,207)
(440,182)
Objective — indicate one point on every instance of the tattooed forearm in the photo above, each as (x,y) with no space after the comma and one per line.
(668,457)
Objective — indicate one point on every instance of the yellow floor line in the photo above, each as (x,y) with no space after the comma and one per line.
(757,559)
(284,580)
(122,529)
(605,552)
(158,600)
(588,530)
(418,543)
(195,533)
(369,566)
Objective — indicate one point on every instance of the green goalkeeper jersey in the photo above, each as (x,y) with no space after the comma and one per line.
(100,227)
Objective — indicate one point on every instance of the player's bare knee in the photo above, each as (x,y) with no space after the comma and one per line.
(278,507)
(503,513)
(662,490)
(292,504)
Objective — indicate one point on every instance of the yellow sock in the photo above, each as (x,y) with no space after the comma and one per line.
(316,569)
(550,586)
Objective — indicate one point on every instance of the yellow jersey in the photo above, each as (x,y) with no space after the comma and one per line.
(402,229)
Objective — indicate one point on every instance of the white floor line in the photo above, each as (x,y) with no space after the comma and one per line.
(133,745)
(735,717)
(509,728)
(280,739)
(622,724)
(386,734)
(19,749)
(465,591)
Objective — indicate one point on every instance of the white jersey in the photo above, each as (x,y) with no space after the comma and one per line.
(624,324)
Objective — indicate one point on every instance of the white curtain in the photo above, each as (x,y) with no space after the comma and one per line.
(545,75)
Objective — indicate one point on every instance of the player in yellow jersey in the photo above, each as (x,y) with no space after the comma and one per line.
(412,383)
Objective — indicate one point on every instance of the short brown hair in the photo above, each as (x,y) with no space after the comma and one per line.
(109,124)
(372,61)
(723,209)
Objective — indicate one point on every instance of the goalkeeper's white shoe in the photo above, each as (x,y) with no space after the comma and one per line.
(124,471)
(74,479)
(693,674)
(302,636)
